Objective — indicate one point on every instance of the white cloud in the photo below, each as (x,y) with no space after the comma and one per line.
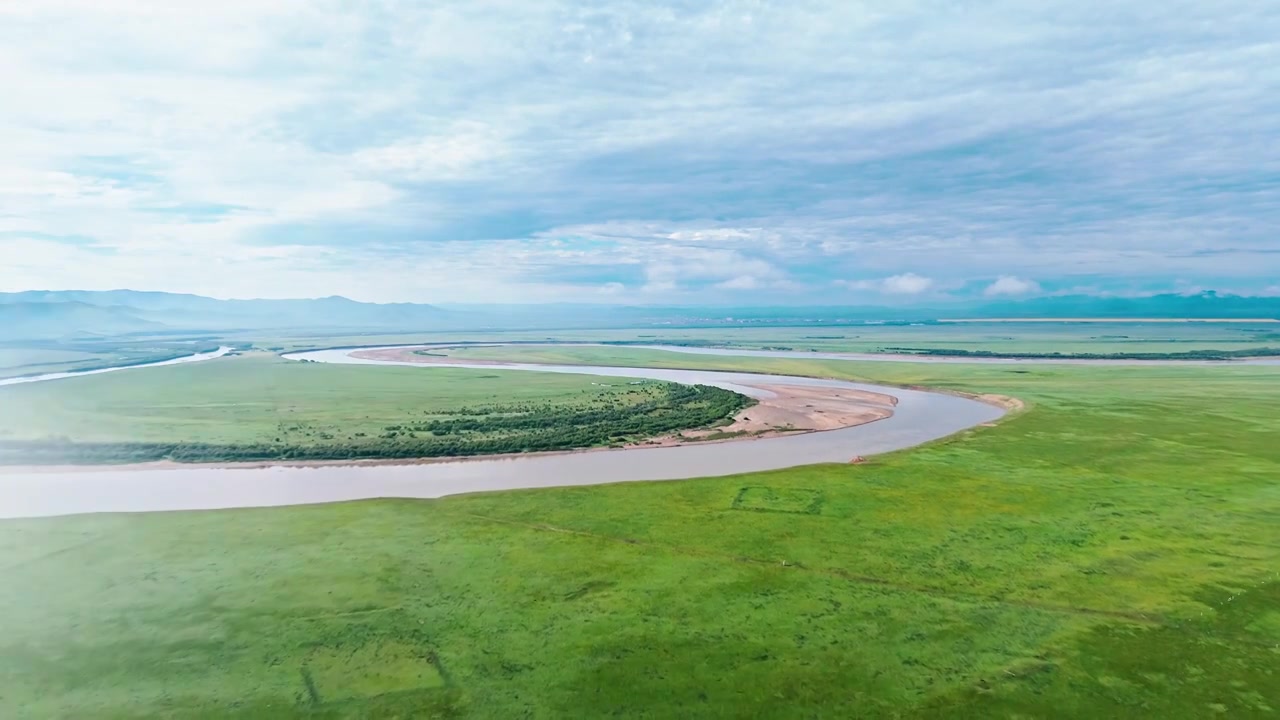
(908,283)
(686,265)
(470,138)
(464,152)
(742,282)
(1010,285)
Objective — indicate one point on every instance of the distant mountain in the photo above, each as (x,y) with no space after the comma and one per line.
(53,314)
(37,320)
(1201,305)
(59,314)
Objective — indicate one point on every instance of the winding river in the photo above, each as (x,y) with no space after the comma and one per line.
(918,418)
(195,357)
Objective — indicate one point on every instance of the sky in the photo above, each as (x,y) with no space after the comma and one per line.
(647,151)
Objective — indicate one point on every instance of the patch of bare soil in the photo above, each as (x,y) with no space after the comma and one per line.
(1012,404)
(792,409)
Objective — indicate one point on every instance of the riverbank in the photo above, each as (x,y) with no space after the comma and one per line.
(780,407)
(179,359)
(917,417)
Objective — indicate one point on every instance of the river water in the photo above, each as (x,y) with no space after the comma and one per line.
(197,357)
(919,417)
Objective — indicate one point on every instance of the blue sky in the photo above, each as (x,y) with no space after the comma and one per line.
(642,152)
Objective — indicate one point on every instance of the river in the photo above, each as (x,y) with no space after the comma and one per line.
(196,357)
(918,418)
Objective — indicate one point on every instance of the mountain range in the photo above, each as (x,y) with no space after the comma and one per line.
(49,314)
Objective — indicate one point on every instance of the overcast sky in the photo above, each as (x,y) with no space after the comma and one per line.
(646,151)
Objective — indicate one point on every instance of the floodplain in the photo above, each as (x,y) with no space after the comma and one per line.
(1110,552)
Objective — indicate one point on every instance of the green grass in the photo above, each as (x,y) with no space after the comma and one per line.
(1067,338)
(17,359)
(24,361)
(1113,552)
(21,362)
(255,397)
(260,407)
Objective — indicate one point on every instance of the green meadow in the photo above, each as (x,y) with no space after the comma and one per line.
(1100,338)
(1110,552)
(262,407)
(19,359)
(258,395)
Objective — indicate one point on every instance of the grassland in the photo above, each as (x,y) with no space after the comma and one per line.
(995,337)
(25,359)
(1003,338)
(1111,553)
(1011,337)
(258,406)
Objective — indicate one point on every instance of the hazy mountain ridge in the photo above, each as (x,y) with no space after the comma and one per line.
(46,314)
(53,314)
(25,320)
(1200,305)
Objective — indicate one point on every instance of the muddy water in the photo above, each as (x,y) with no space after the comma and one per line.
(919,417)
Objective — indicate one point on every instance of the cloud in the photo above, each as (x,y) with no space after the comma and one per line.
(544,149)
(1010,285)
(904,284)
(689,268)
(742,282)
(465,151)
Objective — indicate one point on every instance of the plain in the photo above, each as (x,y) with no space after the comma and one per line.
(261,407)
(1111,552)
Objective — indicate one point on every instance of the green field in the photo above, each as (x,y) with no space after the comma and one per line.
(20,359)
(996,337)
(992,337)
(23,361)
(259,406)
(1113,552)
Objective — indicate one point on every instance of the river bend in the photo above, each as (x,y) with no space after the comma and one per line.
(919,417)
